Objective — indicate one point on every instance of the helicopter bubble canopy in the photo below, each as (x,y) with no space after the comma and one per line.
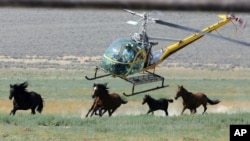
(124,57)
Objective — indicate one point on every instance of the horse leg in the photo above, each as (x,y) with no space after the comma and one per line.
(99,111)
(191,111)
(166,111)
(94,111)
(165,108)
(13,111)
(195,110)
(112,111)
(15,108)
(90,110)
(205,108)
(33,111)
(94,108)
(184,108)
(102,113)
(150,111)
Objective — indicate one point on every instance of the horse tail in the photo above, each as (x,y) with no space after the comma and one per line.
(213,102)
(170,100)
(40,106)
(124,101)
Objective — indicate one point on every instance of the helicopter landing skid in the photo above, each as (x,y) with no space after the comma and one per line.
(95,75)
(144,79)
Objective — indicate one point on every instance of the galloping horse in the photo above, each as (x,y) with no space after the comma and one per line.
(192,101)
(153,104)
(24,100)
(109,102)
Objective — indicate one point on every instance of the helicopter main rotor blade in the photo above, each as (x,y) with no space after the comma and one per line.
(132,22)
(164,39)
(133,13)
(199,31)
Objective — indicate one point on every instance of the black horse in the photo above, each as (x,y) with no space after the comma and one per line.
(24,100)
(153,104)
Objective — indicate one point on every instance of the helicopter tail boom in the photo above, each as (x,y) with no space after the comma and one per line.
(197,35)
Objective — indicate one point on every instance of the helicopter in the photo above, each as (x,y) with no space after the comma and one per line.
(126,57)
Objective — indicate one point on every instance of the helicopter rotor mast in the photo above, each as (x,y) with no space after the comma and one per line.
(145,37)
(144,34)
(145,19)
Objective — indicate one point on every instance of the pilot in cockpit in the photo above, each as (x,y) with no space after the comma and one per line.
(128,53)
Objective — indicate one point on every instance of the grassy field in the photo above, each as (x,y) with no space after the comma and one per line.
(141,127)
(67,98)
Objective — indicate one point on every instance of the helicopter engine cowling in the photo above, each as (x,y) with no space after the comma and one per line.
(124,57)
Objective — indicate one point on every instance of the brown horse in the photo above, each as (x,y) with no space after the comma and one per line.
(192,101)
(96,106)
(107,102)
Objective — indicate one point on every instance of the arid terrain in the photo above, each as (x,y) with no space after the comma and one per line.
(46,38)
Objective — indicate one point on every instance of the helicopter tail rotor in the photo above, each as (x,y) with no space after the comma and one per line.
(240,21)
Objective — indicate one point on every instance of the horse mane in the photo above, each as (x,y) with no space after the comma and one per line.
(24,85)
(21,87)
(185,90)
(149,97)
(102,86)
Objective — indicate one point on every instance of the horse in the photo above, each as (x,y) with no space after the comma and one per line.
(96,106)
(24,100)
(153,104)
(109,102)
(192,101)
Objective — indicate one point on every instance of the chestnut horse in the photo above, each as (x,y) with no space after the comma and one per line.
(192,101)
(104,100)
